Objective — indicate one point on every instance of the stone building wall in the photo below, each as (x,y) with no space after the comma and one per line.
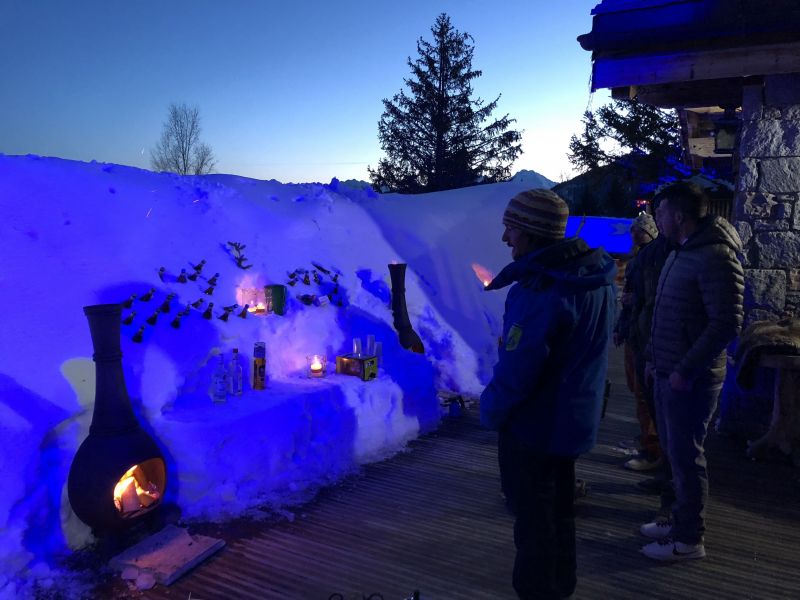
(767,201)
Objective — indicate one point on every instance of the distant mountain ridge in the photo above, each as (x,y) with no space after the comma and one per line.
(532,177)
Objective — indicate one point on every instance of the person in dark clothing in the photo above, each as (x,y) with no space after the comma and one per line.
(546,394)
(626,331)
(698,312)
(648,264)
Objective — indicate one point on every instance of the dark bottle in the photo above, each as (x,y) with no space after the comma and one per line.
(182,276)
(148,295)
(154,317)
(129,319)
(208,314)
(165,305)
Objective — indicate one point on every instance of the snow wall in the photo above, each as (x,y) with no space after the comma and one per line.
(74,234)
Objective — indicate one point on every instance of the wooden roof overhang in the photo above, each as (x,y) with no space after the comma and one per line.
(691,53)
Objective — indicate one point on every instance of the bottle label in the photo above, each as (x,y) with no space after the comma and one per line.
(220,389)
(259,373)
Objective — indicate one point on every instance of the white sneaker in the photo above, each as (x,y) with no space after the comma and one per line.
(642,463)
(657,530)
(669,550)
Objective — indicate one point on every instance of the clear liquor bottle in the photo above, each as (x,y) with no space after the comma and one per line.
(219,386)
(235,374)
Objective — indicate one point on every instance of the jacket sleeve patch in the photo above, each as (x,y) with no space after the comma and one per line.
(514,337)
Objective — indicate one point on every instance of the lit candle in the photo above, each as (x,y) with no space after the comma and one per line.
(316,366)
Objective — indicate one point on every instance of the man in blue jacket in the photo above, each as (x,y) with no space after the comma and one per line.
(546,394)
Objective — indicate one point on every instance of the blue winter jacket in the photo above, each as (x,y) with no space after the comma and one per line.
(548,384)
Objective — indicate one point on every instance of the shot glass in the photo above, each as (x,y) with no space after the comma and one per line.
(370,349)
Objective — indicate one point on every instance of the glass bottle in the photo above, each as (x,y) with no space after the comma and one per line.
(235,374)
(219,387)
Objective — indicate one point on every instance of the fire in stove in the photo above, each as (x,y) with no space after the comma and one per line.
(135,491)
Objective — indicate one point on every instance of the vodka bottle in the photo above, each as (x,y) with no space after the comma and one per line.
(219,382)
(235,374)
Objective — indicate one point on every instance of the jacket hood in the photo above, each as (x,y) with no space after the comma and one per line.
(572,262)
(714,230)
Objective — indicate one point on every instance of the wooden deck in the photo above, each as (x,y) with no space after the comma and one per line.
(432,519)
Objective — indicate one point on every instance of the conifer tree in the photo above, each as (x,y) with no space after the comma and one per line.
(434,136)
(647,135)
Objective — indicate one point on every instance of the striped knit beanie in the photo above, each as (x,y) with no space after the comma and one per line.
(539,212)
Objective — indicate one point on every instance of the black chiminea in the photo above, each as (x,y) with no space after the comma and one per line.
(118,473)
(402,324)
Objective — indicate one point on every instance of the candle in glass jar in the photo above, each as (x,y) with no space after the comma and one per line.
(316,367)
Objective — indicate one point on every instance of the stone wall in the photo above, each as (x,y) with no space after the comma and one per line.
(767,213)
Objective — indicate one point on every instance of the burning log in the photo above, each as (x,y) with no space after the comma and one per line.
(134,491)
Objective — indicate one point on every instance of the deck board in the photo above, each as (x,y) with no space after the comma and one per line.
(432,519)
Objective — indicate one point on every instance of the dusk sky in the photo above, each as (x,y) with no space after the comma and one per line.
(286,90)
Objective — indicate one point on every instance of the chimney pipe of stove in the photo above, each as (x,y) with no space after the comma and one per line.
(113,413)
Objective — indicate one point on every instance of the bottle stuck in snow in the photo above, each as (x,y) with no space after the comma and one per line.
(219,382)
(260,366)
(235,374)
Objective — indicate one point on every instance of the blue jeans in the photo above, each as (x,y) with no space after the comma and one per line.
(540,489)
(682,419)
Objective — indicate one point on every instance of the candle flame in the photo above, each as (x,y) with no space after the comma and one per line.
(482,273)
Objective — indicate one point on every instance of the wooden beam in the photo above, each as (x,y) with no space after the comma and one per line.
(689,94)
(652,69)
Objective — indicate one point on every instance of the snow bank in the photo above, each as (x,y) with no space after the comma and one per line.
(76,233)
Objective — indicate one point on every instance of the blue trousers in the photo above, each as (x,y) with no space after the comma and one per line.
(682,420)
(540,489)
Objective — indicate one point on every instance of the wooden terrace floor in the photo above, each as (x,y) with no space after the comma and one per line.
(432,519)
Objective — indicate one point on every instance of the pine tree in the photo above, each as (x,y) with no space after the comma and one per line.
(648,136)
(434,137)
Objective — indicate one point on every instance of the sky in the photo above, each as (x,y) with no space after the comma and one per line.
(286,90)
